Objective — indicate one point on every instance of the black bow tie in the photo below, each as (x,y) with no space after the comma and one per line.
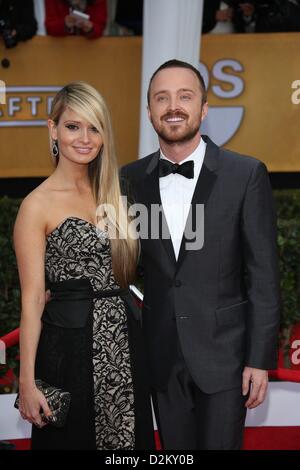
(166,168)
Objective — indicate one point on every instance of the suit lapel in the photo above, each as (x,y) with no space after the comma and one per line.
(204,186)
(152,197)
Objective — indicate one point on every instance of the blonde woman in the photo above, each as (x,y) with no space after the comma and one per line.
(86,340)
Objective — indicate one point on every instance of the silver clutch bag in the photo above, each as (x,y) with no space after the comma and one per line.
(58,402)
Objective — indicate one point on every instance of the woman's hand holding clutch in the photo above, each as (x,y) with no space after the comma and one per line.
(33,405)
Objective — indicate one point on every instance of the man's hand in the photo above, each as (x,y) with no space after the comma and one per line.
(70,21)
(85,25)
(259,384)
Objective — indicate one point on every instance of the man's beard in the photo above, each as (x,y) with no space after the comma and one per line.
(170,137)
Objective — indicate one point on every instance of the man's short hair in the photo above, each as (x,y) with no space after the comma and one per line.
(184,65)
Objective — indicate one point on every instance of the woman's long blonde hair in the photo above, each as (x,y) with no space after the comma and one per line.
(85,100)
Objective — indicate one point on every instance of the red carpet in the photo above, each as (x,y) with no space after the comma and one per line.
(21,444)
(259,438)
(272,438)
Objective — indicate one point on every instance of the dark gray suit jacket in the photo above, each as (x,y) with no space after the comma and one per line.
(221,301)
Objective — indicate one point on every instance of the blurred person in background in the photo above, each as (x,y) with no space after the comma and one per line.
(124,18)
(225,17)
(129,15)
(17,21)
(217,17)
(247,16)
(275,16)
(60,21)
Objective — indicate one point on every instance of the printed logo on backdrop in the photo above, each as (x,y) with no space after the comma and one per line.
(295,347)
(2,92)
(22,106)
(295,97)
(223,122)
(25,106)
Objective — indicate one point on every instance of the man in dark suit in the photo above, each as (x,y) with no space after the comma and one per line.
(211,305)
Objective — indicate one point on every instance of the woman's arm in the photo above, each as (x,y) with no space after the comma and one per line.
(29,242)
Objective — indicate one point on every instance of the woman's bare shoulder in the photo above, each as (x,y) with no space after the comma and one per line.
(37,202)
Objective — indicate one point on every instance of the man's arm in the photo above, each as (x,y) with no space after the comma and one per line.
(261,263)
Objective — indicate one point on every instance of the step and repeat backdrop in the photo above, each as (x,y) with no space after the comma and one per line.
(253,82)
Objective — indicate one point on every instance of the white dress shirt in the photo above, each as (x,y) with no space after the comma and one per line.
(176,192)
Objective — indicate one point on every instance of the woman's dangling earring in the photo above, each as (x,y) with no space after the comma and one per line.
(55,150)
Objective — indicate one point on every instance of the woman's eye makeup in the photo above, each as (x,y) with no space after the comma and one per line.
(75,127)
(72,127)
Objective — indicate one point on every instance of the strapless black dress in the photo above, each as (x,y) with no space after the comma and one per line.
(91,345)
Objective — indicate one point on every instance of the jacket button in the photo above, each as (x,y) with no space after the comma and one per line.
(178,283)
